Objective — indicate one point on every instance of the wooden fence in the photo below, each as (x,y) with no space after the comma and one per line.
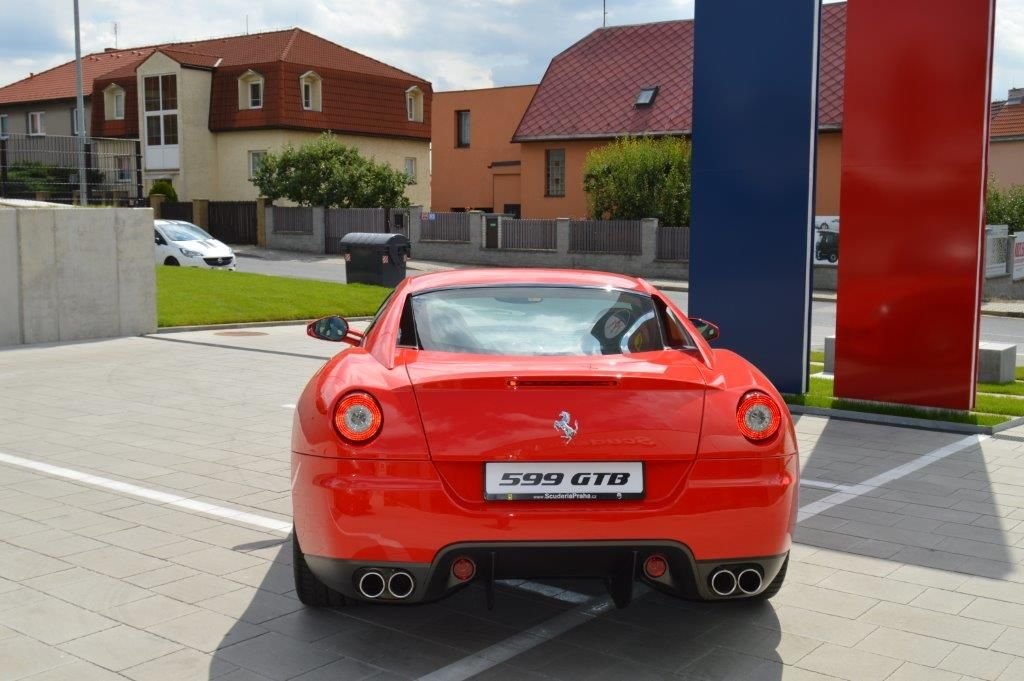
(529,235)
(233,222)
(445,227)
(176,210)
(616,237)
(673,243)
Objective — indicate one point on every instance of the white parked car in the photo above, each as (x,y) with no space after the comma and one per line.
(182,243)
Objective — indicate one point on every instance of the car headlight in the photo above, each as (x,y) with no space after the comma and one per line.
(190,254)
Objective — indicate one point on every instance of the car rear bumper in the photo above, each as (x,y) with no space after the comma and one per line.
(353,514)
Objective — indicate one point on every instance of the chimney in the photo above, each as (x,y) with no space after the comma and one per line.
(110,49)
(1016,96)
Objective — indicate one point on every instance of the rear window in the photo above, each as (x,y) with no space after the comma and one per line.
(536,320)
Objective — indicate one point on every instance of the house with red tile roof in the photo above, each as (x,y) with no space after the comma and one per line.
(206,111)
(1006,150)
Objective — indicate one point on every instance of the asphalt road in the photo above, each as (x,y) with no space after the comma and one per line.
(823,321)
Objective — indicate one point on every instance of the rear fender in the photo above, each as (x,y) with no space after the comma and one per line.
(728,380)
(401,436)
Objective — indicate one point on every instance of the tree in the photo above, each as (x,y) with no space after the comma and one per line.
(1005,206)
(639,177)
(326,173)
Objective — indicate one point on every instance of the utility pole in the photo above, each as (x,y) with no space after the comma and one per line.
(604,14)
(83,197)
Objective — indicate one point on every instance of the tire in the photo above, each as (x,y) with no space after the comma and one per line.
(833,258)
(310,590)
(776,584)
(171,261)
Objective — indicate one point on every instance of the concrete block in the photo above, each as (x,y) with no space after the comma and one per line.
(136,274)
(37,253)
(997,362)
(830,354)
(86,254)
(10,297)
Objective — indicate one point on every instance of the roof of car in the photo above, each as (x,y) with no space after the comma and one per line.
(521,277)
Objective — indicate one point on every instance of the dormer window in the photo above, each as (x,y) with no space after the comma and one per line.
(646,96)
(113,102)
(250,90)
(310,91)
(414,104)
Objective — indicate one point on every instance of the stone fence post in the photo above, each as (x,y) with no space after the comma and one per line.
(476,229)
(156,202)
(648,240)
(415,215)
(562,235)
(264,216)
(201,213)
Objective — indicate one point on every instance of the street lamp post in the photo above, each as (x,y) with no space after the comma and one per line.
(80,114)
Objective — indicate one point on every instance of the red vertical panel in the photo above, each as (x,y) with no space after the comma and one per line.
(915,143)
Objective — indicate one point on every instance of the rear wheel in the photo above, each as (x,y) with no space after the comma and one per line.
(310,590)
(776,584)
(171,261)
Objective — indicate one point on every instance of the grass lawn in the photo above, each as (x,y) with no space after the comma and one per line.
(187,296)
(991,410)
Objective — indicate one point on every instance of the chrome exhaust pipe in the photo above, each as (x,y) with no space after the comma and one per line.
(723,582)
(372,584)
(749,581)
(401,584)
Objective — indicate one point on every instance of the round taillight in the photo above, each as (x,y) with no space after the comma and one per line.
(758,416)
(463,569)
(358,417)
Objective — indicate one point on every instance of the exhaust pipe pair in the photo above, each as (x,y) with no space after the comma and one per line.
(400,585)
(725,582)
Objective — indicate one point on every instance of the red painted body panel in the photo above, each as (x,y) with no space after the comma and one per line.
(912,204)
(418,486)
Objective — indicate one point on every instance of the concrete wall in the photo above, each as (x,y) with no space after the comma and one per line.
(297,241)
(75,273)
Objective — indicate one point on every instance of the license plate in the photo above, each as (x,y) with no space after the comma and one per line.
(563,481)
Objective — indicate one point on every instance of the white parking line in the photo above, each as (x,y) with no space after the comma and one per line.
(819,484)
(820,506)
(483,660)
(150,494)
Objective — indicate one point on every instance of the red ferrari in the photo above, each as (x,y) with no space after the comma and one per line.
(494,424)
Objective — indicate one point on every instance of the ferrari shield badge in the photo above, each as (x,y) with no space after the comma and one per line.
(562,426)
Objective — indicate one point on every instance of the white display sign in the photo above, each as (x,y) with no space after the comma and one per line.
(826,240)
(1018,256)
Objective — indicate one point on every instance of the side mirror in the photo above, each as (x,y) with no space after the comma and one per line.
(333,329)
(705,328)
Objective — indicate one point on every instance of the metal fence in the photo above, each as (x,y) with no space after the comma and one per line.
(445,227)
(45,167)
(529,235)
(232,222)
(342,221)
(293,220)
(177,210)
(673,243)
(618,237)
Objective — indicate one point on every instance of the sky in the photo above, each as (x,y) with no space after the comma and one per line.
(456,44)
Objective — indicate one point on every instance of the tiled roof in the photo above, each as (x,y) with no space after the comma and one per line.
(1007,120)
(293,45)
(589,90)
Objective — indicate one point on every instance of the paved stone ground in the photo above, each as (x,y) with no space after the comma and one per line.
(917,577)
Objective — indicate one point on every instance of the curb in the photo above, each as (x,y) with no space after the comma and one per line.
(246,325)
(905,421)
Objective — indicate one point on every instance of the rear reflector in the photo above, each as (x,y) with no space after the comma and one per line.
(655,566)
(463,569)
(758,416)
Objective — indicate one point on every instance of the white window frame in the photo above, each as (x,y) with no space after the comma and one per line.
(124,174)
(161,156)
(3,126)
(410,168)
(313,81)
(37,123)
(414,104)
(119,106)
(246,81)
(256,94)
(113,102)
(253,155)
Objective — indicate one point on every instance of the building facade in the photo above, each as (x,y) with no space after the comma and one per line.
(207,112)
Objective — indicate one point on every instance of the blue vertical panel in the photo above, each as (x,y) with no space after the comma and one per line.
(754,142)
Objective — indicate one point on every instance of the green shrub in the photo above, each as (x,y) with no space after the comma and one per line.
(639,177)
(164,187)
